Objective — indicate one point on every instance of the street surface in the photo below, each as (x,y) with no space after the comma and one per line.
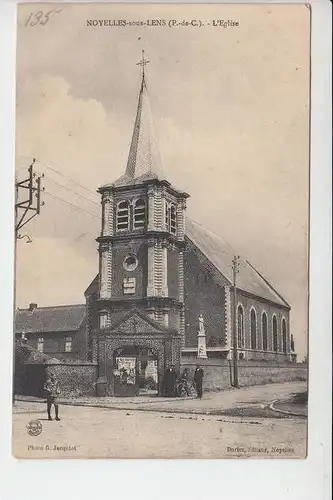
(97,432)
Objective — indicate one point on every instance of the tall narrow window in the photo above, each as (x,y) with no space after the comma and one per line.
(139,214)
(173,223)
(123,216)
(68,344)
(253,329)
(264,331)
(275,334)
(284,336)
(40,344)
(240,326)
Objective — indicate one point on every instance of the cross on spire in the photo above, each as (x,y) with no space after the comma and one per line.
(143,63)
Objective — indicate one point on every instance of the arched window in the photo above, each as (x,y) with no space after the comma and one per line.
(139,214)
(284,335)
(123,216)
(170,218)
(275,334)
(264,331)
(240,326)
(253,320)
(173,224)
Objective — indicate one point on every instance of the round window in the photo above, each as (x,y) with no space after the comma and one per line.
(130,262)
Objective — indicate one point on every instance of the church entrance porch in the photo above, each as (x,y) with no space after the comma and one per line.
(135,371)
(133,354)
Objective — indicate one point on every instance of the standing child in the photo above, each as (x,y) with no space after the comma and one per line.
(52,390)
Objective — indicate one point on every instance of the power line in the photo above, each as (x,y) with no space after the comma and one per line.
(71,191)
(71,205)
(53,169)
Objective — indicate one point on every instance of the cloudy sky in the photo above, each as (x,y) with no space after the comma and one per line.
(231,110)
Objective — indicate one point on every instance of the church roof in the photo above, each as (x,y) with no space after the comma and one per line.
(144,161)
(220,254)
(49,319)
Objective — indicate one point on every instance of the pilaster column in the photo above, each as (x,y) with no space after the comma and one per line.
(165,292)
(181,276)
(101,384)
(151,269)
(151,209)
(180,214)
(164,210)
(105,252)
(227,317)
(107,214)
(182,327)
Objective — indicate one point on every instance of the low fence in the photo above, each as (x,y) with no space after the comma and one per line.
(218,372)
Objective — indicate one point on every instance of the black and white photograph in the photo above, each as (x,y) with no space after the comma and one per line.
(162,175)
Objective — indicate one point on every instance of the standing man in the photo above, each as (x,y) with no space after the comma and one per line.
(198,376)
(173,380)
(52,390)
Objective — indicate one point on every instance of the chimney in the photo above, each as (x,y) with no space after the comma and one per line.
(32,306)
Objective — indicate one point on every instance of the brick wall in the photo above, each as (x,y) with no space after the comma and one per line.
(203,295)
(119,251)
(75,379)
(260,307)
(217,372)
(173,276)
(54,343)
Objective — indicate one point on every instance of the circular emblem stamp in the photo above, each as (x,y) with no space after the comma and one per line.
(34,427)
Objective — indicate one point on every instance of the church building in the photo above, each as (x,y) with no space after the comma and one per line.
(159,271)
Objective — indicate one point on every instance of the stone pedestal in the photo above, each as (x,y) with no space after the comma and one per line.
(202,352)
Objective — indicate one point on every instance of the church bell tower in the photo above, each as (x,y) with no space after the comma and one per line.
(141,245)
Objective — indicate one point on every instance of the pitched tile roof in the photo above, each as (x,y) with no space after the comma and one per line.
(50,319)
(220,254)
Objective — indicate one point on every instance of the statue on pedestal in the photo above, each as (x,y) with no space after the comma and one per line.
(202,352)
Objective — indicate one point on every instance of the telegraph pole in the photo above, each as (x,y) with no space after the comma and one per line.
(25,211)
(235,269)
(30,207)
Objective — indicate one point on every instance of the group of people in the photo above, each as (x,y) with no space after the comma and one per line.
(171,378)
(52,389)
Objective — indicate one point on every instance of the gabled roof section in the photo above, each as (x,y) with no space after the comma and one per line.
(220,254)
(144,162)
(50,319)
(93,287)
(135,322)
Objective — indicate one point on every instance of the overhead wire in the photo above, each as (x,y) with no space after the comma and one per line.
(71,190)
(72,205)
(53,169)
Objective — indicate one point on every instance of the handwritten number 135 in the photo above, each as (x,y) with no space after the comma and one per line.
(40,18)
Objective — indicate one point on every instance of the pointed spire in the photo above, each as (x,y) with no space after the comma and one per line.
(143,159)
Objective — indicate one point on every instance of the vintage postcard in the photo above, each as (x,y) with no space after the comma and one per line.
(162,232)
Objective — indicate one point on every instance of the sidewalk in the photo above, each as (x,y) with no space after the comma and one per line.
(211,403)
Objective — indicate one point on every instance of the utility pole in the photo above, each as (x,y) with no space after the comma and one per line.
(25,211)
(235,269)
(30,207)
